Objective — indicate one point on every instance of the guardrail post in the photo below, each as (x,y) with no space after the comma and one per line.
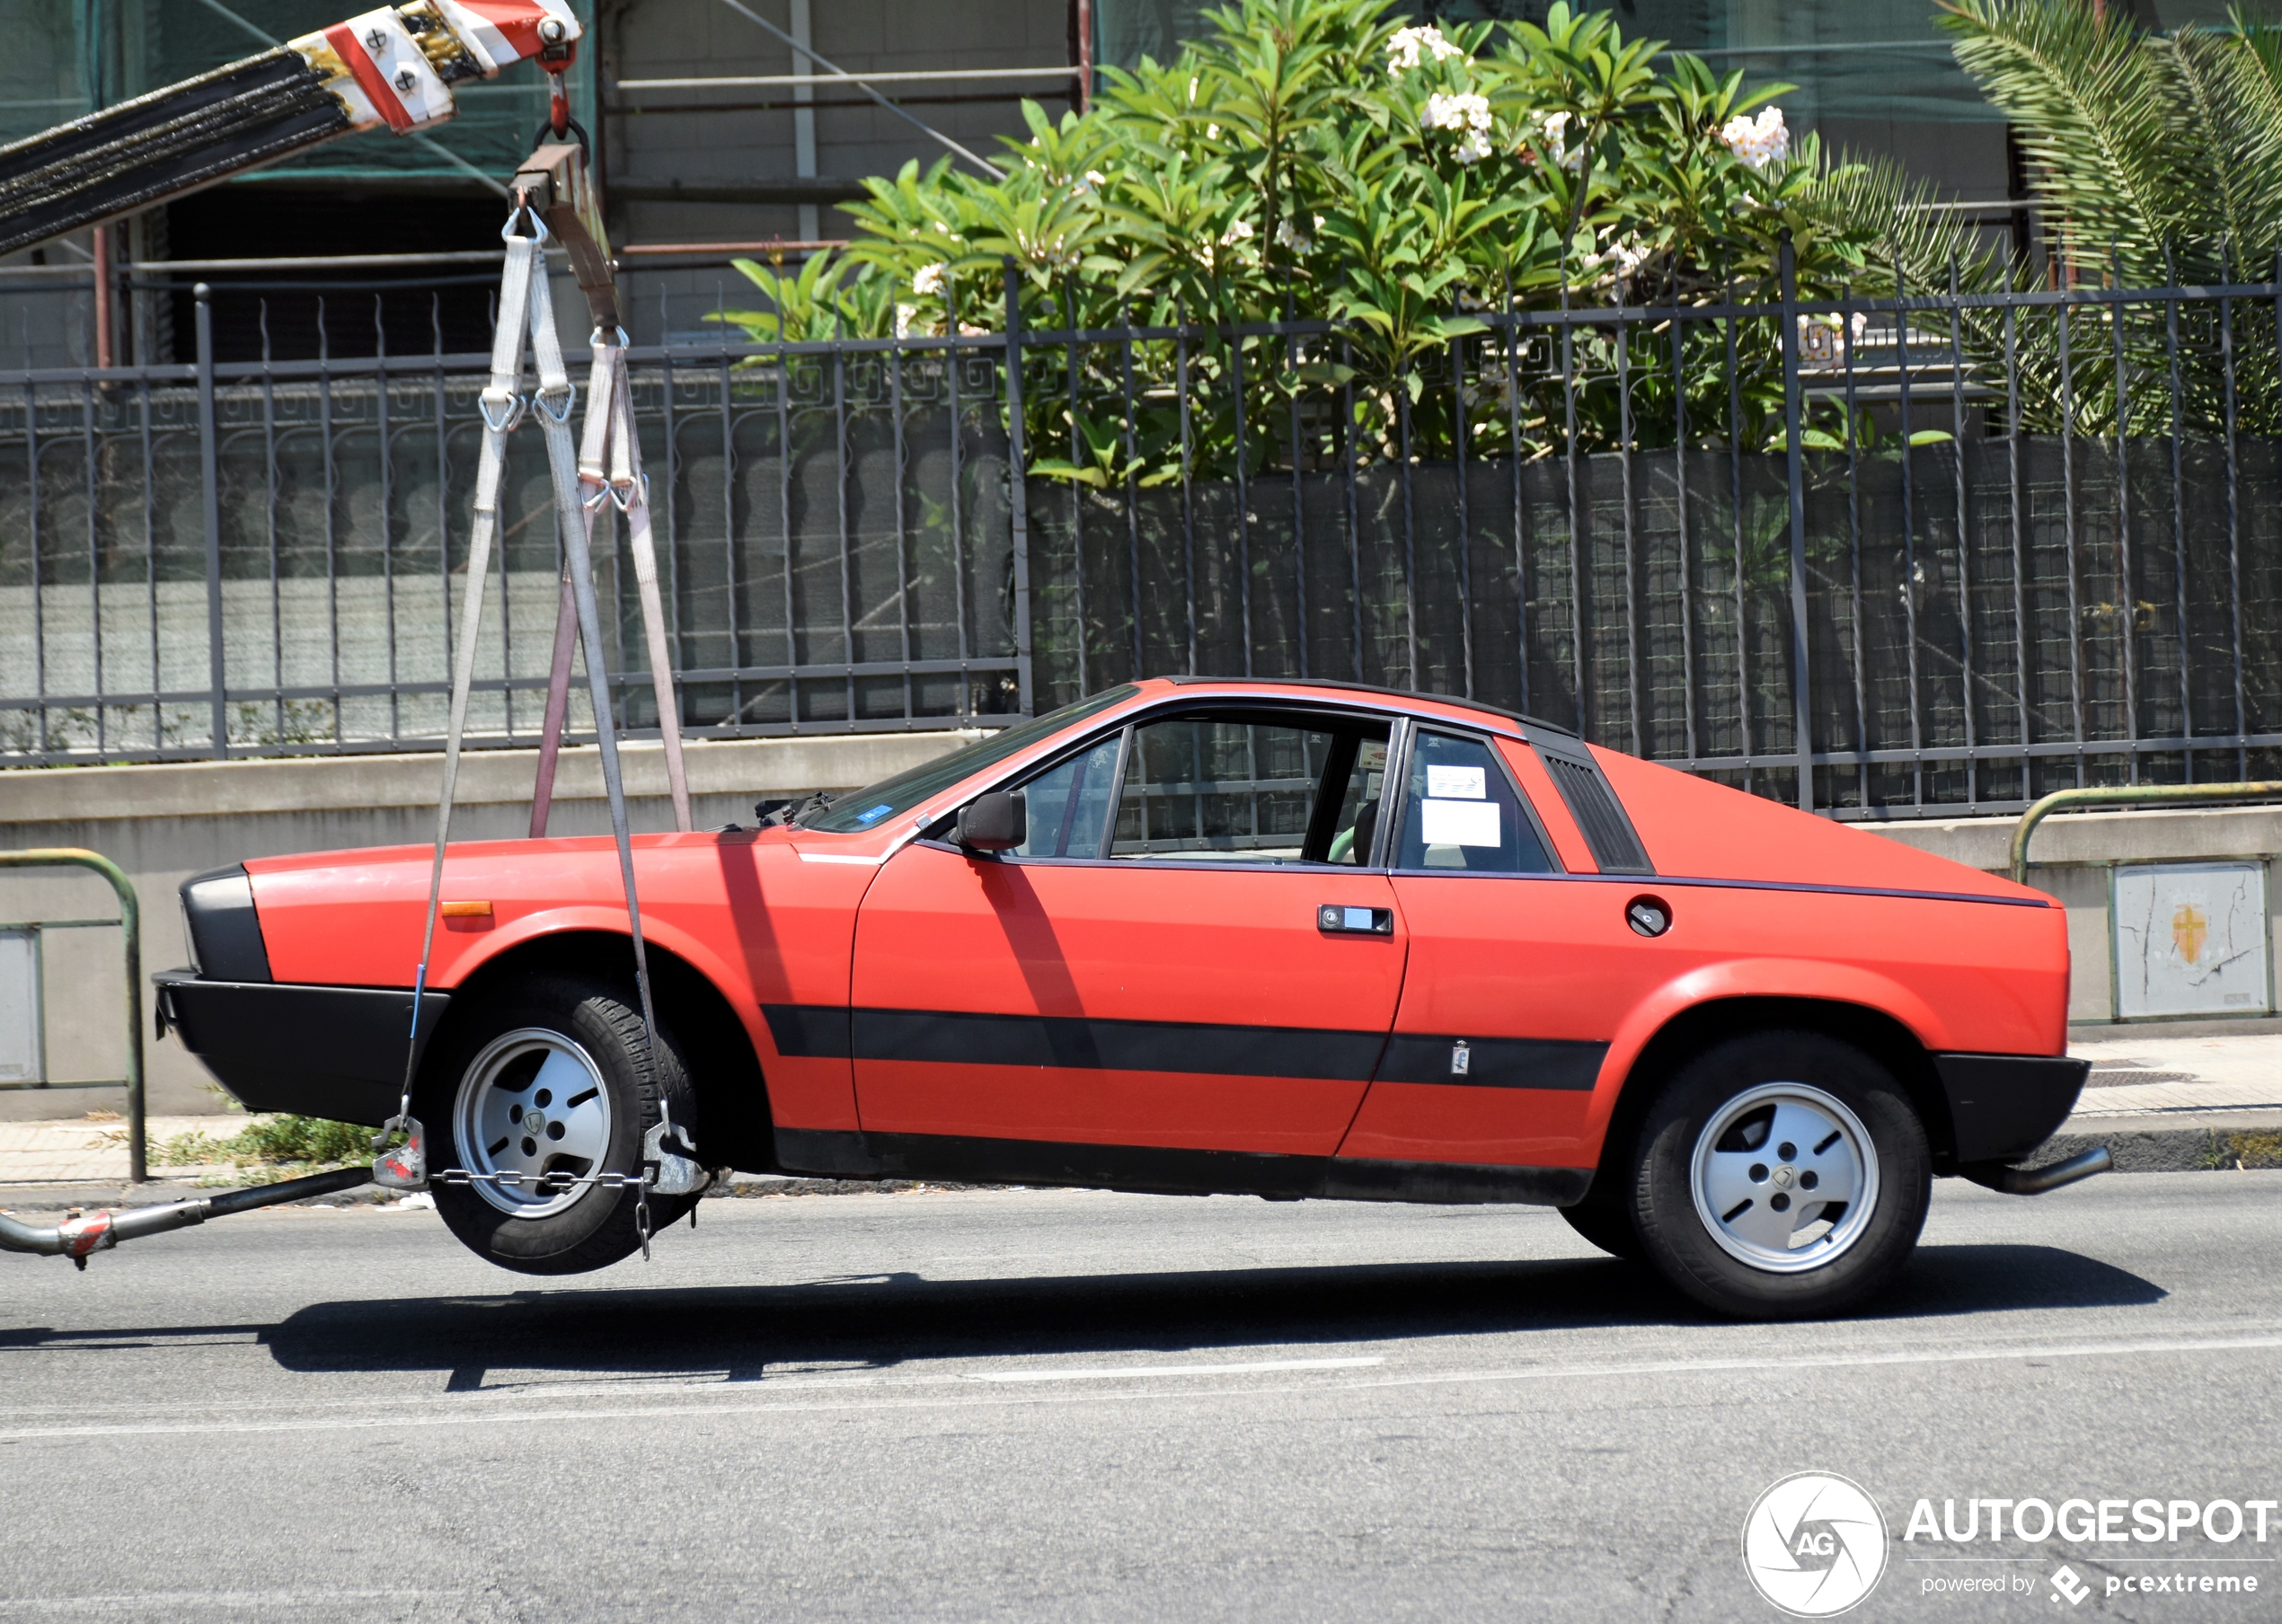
(131,923)
(1794,470)
(1017,458)
(210,491)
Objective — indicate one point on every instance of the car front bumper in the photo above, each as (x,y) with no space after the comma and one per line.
(2005,1106)
(331,1051)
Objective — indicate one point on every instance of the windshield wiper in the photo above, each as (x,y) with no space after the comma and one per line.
(821,801)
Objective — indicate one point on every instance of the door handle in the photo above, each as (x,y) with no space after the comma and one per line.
(1334,919)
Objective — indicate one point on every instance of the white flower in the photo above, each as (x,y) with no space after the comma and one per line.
(929,279)
(1623,255)
(1403,47)
(903,312)
(1760,141)
(1212,132)
(1288,236)
(1239,231)
(1094,177)
(1553,134)
(1464,112)
(1474,148)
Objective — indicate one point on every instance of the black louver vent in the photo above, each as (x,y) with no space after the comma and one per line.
(1615,848)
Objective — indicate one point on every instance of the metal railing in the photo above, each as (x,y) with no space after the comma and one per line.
(2097,795)
(1882,557)
(130,929)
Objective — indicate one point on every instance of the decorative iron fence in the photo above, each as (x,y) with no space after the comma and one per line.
(1882,557)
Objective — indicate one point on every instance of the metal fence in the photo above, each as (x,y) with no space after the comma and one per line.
(1883,556)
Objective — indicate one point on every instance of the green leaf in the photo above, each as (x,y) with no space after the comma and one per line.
(1055,468)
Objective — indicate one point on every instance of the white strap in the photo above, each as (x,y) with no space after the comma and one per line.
(629,490)
(502,404)
(526,306)
(562,461)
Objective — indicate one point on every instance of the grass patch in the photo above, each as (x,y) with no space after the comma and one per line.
(2254,1150)
(282,1143)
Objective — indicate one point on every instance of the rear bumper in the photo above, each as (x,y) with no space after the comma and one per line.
(331,1051)
(2005,1106)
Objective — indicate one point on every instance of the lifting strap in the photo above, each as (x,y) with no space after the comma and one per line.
(526,307)
(610,475)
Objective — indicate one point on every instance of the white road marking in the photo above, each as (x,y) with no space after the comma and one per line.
(433,1409)
(1092,1373)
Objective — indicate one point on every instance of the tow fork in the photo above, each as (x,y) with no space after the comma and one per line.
(79,1237)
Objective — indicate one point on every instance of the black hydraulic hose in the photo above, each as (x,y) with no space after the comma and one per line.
(77,1238)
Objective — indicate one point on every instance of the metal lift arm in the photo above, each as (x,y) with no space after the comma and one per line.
(394,65)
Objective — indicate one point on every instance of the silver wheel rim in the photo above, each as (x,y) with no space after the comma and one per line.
(1785,1177)
(533,1104)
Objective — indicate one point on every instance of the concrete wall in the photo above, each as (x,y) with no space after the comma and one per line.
(161,824)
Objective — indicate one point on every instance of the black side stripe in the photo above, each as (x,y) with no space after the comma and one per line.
(1122,1046)
(947,1037)
(1494,1063)
(952,1037)
(807,1031)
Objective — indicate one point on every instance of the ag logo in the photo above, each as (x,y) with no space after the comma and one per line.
(1814,1545)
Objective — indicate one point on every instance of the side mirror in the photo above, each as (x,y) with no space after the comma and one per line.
(995,821)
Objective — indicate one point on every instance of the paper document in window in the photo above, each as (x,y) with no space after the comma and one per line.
(1457,783)
(1461,823)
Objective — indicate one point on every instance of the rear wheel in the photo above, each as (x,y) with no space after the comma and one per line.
(543,1083)
(1780,1175)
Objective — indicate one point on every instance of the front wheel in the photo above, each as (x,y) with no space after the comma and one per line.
(1782,1175)
(544,1083)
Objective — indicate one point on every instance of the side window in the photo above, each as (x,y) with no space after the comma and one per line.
(1358,819)
(1068,805)
(1461,812)
(1249,788)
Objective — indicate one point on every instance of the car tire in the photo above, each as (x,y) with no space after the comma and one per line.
(1605,1218)
(563,1052)
(1733,1154)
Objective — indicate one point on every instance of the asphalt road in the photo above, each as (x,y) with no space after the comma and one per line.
(1067,1404)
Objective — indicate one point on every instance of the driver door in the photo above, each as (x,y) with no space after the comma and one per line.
(1173,956)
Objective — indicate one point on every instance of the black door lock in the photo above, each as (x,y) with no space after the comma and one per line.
(1334,919)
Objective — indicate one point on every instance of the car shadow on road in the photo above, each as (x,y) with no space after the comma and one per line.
(882,1321)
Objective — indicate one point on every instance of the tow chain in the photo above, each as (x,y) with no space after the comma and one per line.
(608,472)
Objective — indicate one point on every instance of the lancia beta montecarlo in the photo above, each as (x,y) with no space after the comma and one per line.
(1279,938)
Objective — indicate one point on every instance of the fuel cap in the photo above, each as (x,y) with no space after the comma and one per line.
(1649,916)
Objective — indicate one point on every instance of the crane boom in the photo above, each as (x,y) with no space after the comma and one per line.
(392,65)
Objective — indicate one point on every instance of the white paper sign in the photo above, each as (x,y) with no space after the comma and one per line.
(1460,822)
(1457,783)
(2190,939)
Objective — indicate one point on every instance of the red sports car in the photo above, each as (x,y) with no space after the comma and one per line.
(1285,939)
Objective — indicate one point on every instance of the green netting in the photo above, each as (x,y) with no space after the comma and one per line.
(69,57)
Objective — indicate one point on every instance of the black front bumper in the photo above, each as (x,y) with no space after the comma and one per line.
(2001,1106)
(331,1051)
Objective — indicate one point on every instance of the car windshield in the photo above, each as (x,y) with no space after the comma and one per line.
(866,807)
